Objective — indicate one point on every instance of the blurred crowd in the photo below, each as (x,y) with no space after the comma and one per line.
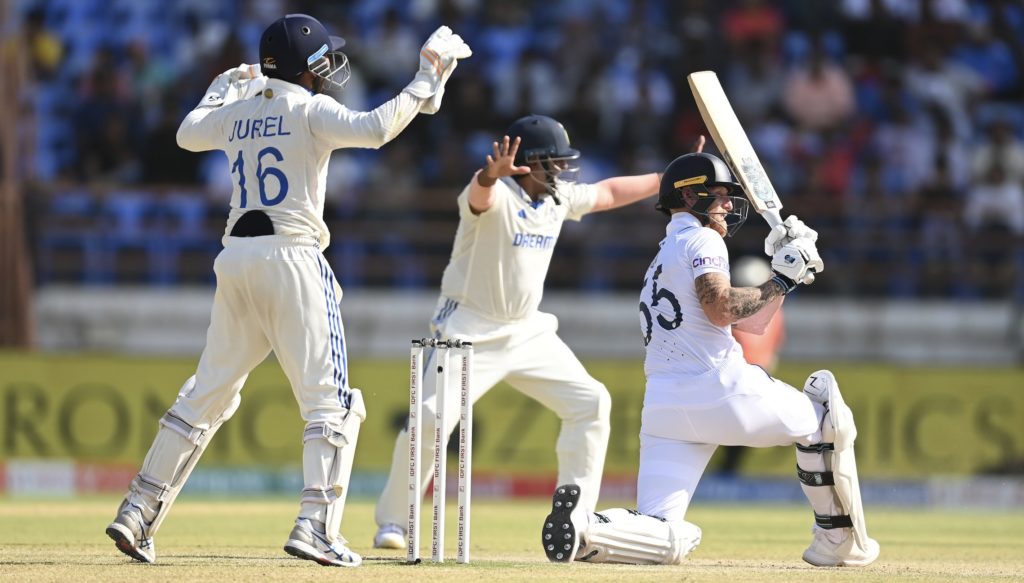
(894,127)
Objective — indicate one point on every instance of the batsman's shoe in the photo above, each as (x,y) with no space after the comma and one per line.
(565,526)
(309,543)
(825,553)
(129,534)
(389,536)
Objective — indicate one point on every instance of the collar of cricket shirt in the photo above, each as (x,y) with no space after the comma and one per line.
(681,221)
(523,196)
(279,87)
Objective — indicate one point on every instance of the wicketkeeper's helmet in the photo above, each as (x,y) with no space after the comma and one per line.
(696,174)
(298,43)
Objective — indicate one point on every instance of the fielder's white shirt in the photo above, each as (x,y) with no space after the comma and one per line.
(501,256)
(278,145)
(680,339)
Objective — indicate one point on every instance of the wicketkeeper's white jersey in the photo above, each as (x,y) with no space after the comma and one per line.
(278,145)
(501,256)
(680,339)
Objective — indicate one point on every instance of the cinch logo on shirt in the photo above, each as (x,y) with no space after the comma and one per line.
(531,241)
(719,262)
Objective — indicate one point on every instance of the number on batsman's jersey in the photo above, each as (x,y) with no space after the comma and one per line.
(680,339)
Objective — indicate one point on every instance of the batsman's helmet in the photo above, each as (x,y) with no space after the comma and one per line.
(696,174)
(298,43)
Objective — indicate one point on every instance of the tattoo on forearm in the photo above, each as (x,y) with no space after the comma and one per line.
(737,302)
(747,301)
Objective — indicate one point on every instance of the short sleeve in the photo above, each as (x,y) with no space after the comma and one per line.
(465,213)
(707,253)
(500,191)
(579,198)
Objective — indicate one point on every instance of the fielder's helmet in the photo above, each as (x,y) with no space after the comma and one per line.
(298,43)
(696,173)
(542,139)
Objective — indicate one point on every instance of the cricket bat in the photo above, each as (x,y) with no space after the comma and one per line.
(732,141)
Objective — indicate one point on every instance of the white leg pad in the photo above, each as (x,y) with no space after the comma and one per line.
(828,475)
(172,457)
(328,450)
(625,536)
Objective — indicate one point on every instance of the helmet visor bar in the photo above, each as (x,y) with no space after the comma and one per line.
(563,169)
(333,69)
(735,218)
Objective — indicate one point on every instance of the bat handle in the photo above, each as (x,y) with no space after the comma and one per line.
(772,217)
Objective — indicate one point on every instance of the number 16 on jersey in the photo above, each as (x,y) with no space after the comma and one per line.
(262,173)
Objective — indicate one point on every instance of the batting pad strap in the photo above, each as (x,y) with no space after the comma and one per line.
(322,430)
(144,484)
(182,427)
(321,495)
(816,448)
(829,522)
(815,478)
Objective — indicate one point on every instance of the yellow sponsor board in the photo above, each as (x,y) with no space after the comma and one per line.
(912,421)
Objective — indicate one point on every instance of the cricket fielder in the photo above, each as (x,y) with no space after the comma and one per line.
(510,215)
(702,394)
(275,290)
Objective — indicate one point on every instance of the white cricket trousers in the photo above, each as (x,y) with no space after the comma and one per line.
(531,357)
(686,418)
(273,293)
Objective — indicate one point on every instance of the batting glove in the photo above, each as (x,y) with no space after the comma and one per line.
(437,61)
(798,261)
(790,229)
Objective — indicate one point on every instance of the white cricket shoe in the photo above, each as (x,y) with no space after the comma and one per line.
(308,542)
(389,536)
(129,534)
(565,526)
(825,553)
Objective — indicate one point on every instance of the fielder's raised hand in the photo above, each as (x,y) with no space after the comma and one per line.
(698,146)
(438,58)
(232,85)
(501,163)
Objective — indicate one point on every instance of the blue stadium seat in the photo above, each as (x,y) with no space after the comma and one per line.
(128,219)
(70,234)
(183,229)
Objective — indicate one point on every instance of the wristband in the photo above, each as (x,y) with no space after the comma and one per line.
(787,285)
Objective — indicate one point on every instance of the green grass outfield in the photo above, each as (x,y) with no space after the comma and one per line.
(220,540)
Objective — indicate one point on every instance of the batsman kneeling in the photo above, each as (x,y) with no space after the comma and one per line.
(701,393)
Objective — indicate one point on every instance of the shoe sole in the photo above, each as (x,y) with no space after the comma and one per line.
(124,540)
(301,550)
(823,561)
(559,534)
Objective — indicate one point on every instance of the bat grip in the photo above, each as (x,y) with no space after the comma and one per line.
(772,217)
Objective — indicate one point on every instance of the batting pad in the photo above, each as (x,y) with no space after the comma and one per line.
(328,450)
(627,537)
(828,470)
